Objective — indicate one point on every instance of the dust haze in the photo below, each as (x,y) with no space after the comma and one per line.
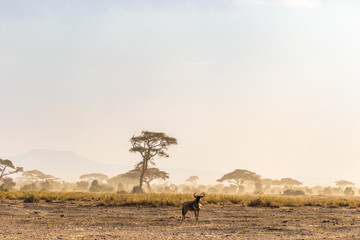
(116,117)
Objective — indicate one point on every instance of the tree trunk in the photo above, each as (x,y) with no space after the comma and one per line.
(148,185)
(144,167)
(2,173)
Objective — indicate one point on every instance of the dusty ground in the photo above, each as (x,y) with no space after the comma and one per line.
(20,220)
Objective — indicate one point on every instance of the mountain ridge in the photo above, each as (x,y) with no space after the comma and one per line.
(66,165)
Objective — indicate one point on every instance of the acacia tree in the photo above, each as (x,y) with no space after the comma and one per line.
(192,179)
(344,183)
(36,175)
(150,175)
(268,182)
(122,180)
(44,181)
(239,176)
(149,145)
(94,176)
(7,184)
(8,168)
(290,182)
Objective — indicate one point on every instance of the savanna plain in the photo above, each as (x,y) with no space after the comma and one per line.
(49,215)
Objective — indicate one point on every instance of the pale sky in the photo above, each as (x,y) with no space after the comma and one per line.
(271,86)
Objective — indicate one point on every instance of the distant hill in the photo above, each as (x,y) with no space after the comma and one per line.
(64,164)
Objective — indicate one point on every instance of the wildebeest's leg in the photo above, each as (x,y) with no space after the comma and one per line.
(183,213)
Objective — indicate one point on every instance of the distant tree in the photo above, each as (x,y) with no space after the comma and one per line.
(36,175)
(8,168)
(216,189)
(121,188)
(7,184)
(349,191)
(149,145)
(230,189)
(193,179)
(270,185)
(267,182)
(327,191)
(106,188)
(82,185)
(45,186)
(167,189)
(95,186)
(68,186)
(239,176)
(136,189)
(29,187)
(128,183)
(290,182)
(317,189)
(44,181)
(258,186)
(344,183)
(186,189)
(226,190)
(308,190)
(94,176)
(174,188)
(150,175)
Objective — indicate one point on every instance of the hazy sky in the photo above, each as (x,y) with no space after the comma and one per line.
(271,86)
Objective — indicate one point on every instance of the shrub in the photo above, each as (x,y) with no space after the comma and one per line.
(135,189)
(255,202)
(31,198)
(170,199)
(343,203)
(236,201)
(291,192)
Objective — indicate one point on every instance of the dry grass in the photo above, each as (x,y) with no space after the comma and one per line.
(163,199)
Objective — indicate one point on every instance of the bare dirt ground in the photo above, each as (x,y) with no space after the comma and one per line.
(20,220)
